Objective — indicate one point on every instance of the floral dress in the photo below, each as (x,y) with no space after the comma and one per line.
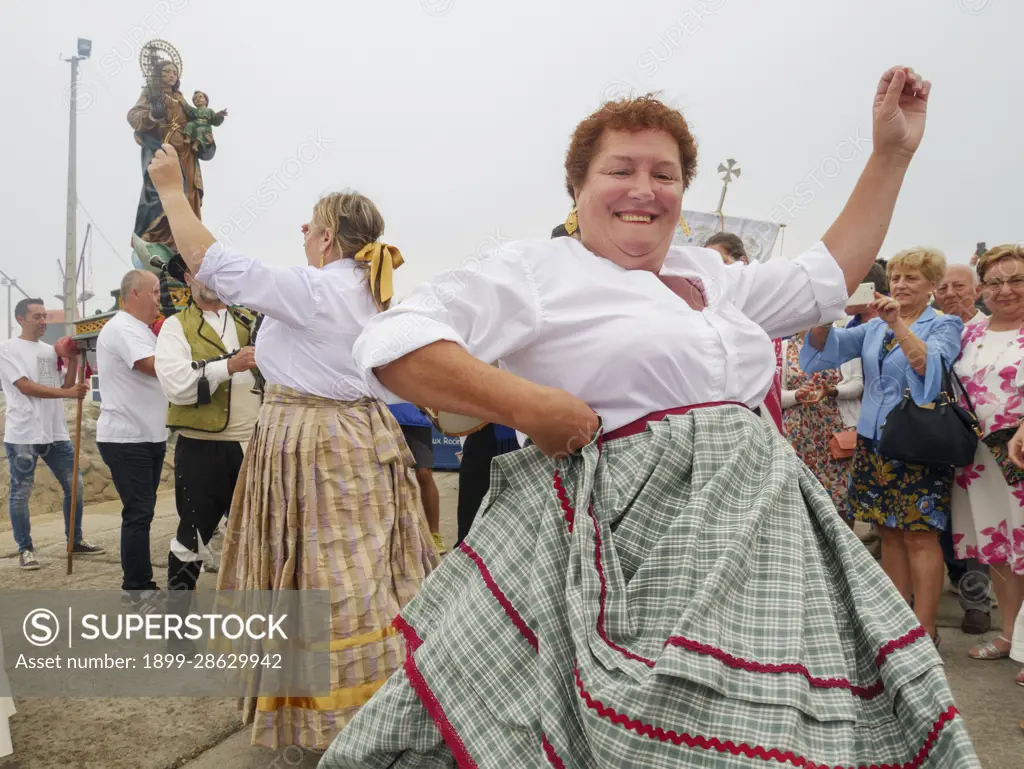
(988,513)
(810,426)
(893,493)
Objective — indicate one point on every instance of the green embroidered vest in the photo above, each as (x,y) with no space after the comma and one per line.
(212,417)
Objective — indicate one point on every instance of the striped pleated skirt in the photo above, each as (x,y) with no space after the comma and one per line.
(327,500)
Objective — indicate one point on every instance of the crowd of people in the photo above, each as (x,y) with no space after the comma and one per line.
(656,572)
(932,520)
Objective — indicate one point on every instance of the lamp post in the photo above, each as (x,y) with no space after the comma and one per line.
(70,289)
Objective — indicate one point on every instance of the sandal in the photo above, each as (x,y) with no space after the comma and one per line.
(936,639)
(989,650)
(1020,682)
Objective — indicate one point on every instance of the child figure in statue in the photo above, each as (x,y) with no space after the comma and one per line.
(201,118)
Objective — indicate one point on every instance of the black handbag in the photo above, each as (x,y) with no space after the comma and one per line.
(940,433)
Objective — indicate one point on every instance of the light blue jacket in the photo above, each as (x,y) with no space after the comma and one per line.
(885,385)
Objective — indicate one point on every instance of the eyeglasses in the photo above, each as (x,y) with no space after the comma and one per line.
(1017,281)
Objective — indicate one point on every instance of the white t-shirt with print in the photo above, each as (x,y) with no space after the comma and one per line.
(133,408)
(28,419)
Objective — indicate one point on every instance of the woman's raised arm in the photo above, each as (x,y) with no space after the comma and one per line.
(190,235)
(856,236)
(287,294)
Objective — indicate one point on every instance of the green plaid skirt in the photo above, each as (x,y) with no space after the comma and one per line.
(686,597)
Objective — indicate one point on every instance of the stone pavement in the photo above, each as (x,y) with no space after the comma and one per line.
(166,733)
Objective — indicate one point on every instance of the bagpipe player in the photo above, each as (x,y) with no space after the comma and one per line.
(213,403)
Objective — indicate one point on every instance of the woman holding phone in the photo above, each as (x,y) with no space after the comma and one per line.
(904,348)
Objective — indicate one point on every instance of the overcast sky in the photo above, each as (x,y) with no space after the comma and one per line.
(454,116)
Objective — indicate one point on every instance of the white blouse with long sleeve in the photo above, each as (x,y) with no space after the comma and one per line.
(620,340)
(313,318)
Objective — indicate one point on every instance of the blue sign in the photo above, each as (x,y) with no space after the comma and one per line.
(445,449)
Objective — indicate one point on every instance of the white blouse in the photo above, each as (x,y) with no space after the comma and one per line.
(313,318)
(556,314)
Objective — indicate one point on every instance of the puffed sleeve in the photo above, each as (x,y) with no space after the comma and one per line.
(490,311)
(291,295)
(943,345)
(173,364)
(786,296)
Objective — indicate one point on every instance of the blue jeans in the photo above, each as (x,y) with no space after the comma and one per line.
(60,458)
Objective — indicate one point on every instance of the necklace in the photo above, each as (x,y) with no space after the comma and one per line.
(1016,338)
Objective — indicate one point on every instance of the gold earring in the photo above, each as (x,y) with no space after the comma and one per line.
(572,222)
(686,228)
(322,257)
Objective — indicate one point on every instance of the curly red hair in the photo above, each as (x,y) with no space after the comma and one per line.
(643,113)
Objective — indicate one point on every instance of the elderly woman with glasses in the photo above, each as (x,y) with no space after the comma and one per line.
(988,498)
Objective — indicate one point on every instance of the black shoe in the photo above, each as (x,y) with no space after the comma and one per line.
(976,622)
(86,548)
(142,600)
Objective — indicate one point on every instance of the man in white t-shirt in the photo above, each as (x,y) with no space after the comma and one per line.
(35,425)
(131,434)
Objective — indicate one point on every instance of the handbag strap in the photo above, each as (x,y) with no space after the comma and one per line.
(949,376)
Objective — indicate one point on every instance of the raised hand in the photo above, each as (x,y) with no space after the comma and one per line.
(888,308)
(165,171)
(901,102)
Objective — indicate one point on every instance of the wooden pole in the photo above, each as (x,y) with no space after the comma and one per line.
(74,472)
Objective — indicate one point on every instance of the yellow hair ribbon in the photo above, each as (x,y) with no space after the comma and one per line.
(383,260)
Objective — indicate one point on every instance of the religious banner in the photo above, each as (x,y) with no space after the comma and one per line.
(758,236)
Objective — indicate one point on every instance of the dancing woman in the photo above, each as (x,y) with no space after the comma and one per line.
(675,589)
(326,498)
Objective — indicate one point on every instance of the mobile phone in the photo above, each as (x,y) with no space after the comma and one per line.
(982,248)
(865,294)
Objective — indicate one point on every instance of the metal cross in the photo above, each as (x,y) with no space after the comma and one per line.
(729,171)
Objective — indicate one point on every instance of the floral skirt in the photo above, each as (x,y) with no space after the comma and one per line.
(898,495)
(988,514)
(810,427)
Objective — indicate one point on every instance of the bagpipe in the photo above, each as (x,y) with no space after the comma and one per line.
(203,396)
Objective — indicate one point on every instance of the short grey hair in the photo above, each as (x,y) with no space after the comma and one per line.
(967,270)
(131,281)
